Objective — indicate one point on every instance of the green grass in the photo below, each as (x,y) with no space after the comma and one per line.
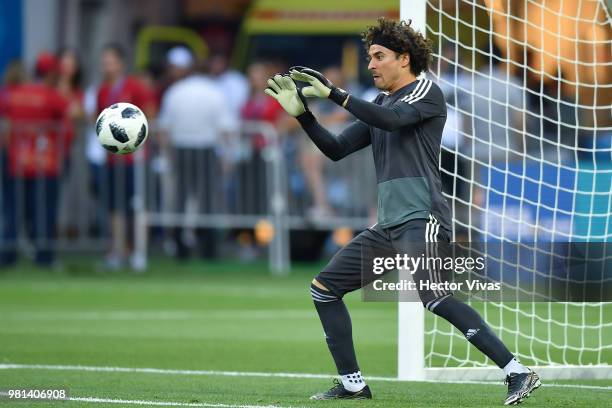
(218,316)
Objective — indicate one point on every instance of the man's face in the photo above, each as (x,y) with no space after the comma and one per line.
(112,66)
(258,75)
(386,67)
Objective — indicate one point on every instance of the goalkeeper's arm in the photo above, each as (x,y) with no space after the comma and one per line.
(401,113)
(353,138)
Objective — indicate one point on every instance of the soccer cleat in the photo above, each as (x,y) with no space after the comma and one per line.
(339,392)
(520,386)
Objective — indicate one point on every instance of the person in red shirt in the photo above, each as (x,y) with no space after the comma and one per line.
(118,187)
(35,156)
(258,107)
(69,85)
(14,75)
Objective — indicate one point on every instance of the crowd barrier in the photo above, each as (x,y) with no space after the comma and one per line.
(59,192)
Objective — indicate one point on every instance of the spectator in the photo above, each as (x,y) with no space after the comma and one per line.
(195,115)
(231,81)
(118,188)
(234,83)
(14,74)
(34,111)
(248,189)
(96,158)
(70,76)
(69,85)
(494,101)
(312,161)
(454,166)
(258,108)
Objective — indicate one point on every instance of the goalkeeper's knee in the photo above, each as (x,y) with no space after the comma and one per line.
(321,295)
(433,304)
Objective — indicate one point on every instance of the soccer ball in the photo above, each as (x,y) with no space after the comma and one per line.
(122,128)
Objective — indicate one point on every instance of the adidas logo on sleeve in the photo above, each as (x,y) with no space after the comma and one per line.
(470,333)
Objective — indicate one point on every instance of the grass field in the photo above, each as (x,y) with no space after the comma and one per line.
(216,335)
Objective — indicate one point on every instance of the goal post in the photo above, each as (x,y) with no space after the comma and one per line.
(411,315)
(526,157)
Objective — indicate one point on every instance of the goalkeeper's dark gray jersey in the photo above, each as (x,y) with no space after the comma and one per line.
(405,131)
(407,157)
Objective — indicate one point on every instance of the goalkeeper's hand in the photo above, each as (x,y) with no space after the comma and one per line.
(283,89)
(320,86)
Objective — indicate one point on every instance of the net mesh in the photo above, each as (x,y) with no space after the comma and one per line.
(526,156)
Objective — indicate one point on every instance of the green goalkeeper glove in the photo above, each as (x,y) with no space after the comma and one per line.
(320,86)
(283,89)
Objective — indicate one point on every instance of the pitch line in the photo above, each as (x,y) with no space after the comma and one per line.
(168,404)
(157,315)
(255,374)
(161,403)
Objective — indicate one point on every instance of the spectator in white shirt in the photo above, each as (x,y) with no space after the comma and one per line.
(195,117)
(232,82)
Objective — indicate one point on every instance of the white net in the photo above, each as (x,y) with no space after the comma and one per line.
(527,156)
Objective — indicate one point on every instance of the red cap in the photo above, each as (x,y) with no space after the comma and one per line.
(46,63)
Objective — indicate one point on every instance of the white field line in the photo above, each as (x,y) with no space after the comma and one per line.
(156,315)
(160,403)
(256,374)
(169,404)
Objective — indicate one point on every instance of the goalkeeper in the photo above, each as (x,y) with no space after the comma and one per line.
(404,126)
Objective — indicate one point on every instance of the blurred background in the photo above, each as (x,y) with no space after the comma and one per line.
(228,188)
(207,183)
(226,173)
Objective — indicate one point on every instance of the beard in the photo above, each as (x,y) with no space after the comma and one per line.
(381,86)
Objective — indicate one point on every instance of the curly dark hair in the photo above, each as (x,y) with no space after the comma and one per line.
(404,39)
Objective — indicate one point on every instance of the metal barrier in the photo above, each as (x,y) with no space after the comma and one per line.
(254,181)
(246,183)
(46,203)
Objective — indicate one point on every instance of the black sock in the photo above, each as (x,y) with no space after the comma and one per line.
(336,323)
(474,328)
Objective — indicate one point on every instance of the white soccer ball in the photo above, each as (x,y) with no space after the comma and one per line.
(122,128)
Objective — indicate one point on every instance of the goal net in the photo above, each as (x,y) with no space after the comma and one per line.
(526,157)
